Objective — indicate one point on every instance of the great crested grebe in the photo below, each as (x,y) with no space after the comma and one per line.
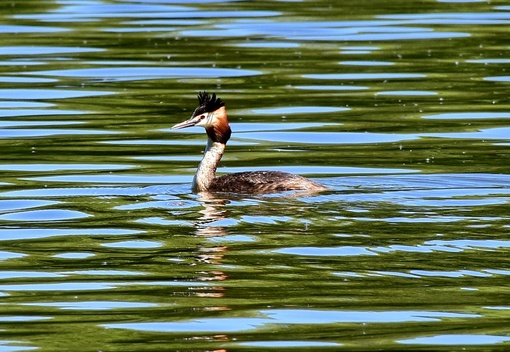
(211,115)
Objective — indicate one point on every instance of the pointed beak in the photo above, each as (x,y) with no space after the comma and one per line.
(188,123)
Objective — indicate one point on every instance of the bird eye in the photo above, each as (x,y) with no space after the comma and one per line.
(202,117)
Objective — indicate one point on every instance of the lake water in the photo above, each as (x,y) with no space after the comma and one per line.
(400,107)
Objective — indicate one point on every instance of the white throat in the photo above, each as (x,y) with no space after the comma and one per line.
(206,171)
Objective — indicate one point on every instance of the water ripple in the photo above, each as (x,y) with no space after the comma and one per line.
(333,138)
(45,50)
(63,167)
(145,73)
(92,286)
(364,76)
(456,340)
(94,305)
(344,251)
(7,234)
(289,344)
(139,244)
(39,94)
(30,29)
(290,316)
(44,215)
(468,115)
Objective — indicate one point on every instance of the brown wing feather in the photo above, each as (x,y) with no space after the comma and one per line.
(263,182)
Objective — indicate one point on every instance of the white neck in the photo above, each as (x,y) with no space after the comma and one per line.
(206,171)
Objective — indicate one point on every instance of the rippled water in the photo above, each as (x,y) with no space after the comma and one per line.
(401,108)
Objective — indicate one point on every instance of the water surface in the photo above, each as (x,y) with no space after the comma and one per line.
(400,108)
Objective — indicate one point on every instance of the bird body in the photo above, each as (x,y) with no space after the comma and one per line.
(211,114)
(264,182)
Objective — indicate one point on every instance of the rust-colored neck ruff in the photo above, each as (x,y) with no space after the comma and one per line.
(219,131)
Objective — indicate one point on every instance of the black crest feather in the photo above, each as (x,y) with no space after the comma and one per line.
(207,103)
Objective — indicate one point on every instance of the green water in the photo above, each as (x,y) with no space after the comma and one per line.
(401,108)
